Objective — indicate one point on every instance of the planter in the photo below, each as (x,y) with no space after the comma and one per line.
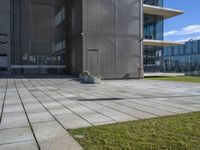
(93,80)
(89,78)
(83,78)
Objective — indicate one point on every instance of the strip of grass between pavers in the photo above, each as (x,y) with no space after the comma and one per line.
(181,132)
(177,78)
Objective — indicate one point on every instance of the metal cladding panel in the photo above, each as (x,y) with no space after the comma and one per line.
(99,34)
(74,42)
(128,51)
(5,42)
(77,55)
(113,28)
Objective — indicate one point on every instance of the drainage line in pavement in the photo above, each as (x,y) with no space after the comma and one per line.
(27,117)
(4,99)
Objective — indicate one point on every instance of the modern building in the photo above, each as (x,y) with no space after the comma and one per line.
(185,58)
(69,36)
(154,15)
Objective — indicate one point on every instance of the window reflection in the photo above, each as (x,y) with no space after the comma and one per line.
(154,2)
(185,58)
(38,36)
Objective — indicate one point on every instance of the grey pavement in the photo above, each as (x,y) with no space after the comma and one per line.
(35,113)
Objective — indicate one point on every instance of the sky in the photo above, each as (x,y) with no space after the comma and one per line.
(184,27)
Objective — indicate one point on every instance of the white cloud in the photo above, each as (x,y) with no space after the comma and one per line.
(170,33)
(191,29)
(190,38)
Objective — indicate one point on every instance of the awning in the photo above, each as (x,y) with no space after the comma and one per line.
(147,42)
(161,11)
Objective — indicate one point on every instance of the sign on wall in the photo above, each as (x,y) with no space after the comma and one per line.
(3,38)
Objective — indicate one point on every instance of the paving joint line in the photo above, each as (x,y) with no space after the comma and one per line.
(117,110)
(126,106)
(14,127)
(156,107)
(16,142)
(152,107)
(60,104)
(5,93)
(84,105)
(27,116)
(43,106)
(133,108)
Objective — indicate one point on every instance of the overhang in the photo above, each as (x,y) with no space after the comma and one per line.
(147,42)
(161,11)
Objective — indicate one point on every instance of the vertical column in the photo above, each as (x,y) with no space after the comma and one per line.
(4,35)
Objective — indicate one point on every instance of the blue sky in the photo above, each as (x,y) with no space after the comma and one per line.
(186,26)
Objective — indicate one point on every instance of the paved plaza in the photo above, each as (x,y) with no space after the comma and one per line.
(35,113)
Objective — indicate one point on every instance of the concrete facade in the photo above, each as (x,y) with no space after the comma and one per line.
(96,35)
(71,36)
(105,37)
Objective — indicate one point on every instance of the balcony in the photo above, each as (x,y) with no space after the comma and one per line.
(161,11)
(147,42)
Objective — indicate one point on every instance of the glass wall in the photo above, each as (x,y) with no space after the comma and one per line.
(184,58)
(152,59)
(153,27)
(153,2)
(153,30)
(38,36)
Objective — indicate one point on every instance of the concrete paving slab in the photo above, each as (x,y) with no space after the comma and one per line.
(123,118)
(60,111)
(15,135)
(70,121)
(76,105)
(13,108)
(95,118)
(12,102)
(36,117)
(51,136)
(34,108)
(27,145)
(79,109)
(52,104)
(14,120)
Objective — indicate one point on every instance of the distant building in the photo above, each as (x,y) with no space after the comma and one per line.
(185,58)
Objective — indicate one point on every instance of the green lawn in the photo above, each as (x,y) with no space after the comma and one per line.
(178,78)
(181,132)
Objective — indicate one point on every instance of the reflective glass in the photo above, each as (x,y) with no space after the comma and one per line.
(153,27)
(153,2)
(184,58)
(38,36)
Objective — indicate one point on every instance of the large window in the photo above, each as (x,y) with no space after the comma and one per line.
(153,27)
(176,50)
(38,36)
(188,48)
(184,58)
(152,59)
(195,48)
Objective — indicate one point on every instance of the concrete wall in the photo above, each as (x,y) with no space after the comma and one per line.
(5,28)
(111,37)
